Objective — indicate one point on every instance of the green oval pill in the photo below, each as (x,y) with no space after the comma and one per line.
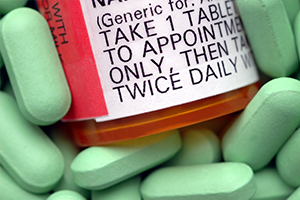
(62,138)
(10,190)
(199,146)
(100,167)
(297,33)
(66,195)
(271,37)
(298,75)
(2,82)
(292,7)
(26,152)
(288,160)
(126,190)
(265,124)
(295,195)
(226,181)
(270,186)
(8,5)
(33,66)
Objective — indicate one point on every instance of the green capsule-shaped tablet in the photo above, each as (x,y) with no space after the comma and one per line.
(298,76)
(100,167)
(66,195)
(126,190)
(10,190)
(288,160)
(265,125)
(226,181)
(61,136)
(271,36)
(270,186)
(199,146)
(8,5)
(26,152)
(1,71)
(33,66)
(295,195)
(292,7)
(297,33)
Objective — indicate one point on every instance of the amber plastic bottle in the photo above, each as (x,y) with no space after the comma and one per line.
(90,132)
(202,66)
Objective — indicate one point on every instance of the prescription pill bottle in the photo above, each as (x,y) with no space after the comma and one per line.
(140,67)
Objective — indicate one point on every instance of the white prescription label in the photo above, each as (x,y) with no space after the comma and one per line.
(154,54)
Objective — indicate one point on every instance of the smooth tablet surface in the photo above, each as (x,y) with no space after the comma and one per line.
(8,5)
(288,160)
(126,190)
(199,146)
(264,126)
(61,136)
(33,66)
(271,36)
(297,32)
(208,182)
(295,195)
(292,7)
(66,195)
(100,167)
(10,190)
(26,152)
(270,186)
(1,71)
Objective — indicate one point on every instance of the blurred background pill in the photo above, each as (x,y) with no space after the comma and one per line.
(265,125)
(100,167)
(199,146)
(1,73)
(226,181)
(297,33)
(61,136)
(10,190)
(271,37)
(33,66)
(8,89)
(298,76)
(8,5)
(292,7)
(295,195)
(26,152)
(288,160)
(126,190)
(271,186)
(1,62)
(66,195)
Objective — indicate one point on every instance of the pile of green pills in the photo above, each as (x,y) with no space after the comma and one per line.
(257,156)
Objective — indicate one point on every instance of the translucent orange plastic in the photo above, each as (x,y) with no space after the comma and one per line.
(90,133)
